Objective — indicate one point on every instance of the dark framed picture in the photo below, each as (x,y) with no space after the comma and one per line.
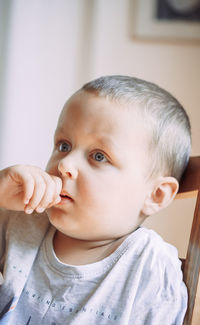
(167,19)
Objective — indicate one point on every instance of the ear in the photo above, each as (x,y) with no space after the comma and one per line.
(161,195)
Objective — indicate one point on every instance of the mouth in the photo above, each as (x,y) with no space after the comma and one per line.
(65,197)
(66,200)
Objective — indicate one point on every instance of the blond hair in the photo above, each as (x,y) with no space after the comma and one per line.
(170,143)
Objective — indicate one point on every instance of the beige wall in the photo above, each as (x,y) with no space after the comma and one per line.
(52,47)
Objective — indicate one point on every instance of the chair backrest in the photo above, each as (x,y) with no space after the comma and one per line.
(189,187)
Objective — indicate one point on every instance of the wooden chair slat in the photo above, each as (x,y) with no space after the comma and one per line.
(189,187)
(190,180)
(191,270)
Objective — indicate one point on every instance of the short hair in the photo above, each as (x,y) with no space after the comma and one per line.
(170,144)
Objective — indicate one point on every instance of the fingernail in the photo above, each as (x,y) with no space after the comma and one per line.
(28,210)
(26,202)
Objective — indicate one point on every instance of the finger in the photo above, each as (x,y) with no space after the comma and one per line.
(58,189)
(58,186)
(28,182)
(55,199)
(48,196)
(21,176)
(38,193)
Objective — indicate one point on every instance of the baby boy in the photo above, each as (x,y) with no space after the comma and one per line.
(78,253)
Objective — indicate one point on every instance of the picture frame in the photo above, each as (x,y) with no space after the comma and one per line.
(147,26)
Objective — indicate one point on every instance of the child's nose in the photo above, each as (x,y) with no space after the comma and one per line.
(67,168)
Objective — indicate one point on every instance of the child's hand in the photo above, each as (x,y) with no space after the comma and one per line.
(28,188)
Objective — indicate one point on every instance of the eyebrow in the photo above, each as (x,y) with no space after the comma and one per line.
(101,140)
(59,130)
(105,142)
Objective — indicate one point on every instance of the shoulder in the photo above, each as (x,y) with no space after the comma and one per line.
(158,251)
(156,270)
(155,260)
(157,264)
(148,243)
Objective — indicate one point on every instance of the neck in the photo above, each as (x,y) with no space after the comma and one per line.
(79,252)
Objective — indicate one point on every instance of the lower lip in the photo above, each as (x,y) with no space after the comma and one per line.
(64,201)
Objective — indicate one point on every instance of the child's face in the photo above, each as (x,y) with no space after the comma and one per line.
(101,155)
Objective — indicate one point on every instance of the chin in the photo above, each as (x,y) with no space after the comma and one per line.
(56,217)
(62,221)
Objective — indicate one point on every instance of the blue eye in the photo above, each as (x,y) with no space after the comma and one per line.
(64,147)
(98,156)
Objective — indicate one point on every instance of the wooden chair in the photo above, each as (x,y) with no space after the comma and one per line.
(189,187)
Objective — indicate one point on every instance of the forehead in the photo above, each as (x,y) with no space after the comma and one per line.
(83,106)
(87,110)
(93,115)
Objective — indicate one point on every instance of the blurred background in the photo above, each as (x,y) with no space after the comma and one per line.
(48,49)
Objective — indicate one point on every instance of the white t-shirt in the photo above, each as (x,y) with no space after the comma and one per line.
(140,283)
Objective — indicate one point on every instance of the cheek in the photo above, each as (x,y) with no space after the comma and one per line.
(94,191)
(102,193)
